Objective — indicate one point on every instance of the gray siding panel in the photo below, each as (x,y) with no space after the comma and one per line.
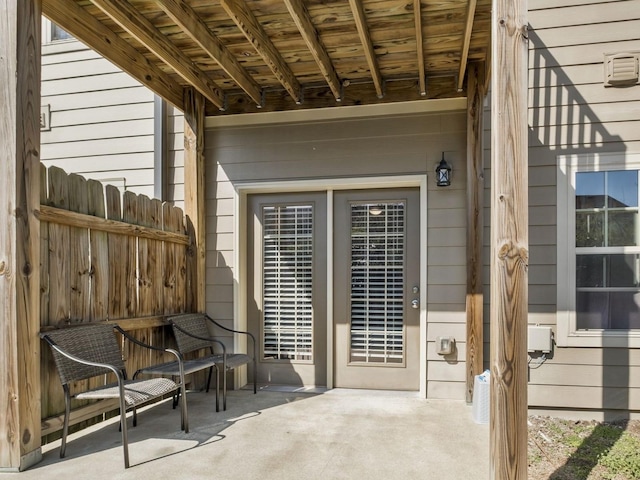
(101,119)
(582,14)
(571,112)
(410,144)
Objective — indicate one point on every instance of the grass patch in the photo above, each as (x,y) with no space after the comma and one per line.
(570,450)
(623,458)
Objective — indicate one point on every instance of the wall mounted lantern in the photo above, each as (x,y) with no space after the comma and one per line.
(443,173)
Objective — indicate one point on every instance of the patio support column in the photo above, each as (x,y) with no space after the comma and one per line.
(475,187)
(20,234)
(194,184)
(509,241)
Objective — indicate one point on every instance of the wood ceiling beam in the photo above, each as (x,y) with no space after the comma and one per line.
(125,15)
(310,35)
(466,40)
(253,31)
(187,19)
(417,12)
(75,20)
(355,94)
(365,39)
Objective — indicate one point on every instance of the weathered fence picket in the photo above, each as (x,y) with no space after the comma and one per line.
(99,244)
(79,256)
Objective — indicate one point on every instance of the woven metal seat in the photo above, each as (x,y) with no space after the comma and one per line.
(191,331)
(88,351)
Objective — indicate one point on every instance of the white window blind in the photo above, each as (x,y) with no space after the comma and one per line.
(377,282)
(287,282)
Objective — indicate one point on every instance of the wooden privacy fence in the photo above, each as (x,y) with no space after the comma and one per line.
(107,257)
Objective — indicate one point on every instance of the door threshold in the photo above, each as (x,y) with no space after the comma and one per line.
(376,393)
(287,388)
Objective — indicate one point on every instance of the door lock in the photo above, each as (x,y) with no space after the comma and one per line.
(415,303)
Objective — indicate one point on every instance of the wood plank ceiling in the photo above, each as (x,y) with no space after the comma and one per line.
(271,55)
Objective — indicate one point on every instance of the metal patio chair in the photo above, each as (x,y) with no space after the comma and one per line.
(191,331)
(83,352)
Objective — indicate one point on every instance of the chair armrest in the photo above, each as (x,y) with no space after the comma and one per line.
(227,328)
(206,339)
(253,338)
(146,345)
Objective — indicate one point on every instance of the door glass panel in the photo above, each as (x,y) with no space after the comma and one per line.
(377,282)
(287,282)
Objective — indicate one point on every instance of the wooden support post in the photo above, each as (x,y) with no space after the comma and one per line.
(194,182)
(20,234)
(509,241)
(475,189)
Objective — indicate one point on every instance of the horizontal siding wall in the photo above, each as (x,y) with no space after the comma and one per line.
(102,120)
(571,112)
(410,144)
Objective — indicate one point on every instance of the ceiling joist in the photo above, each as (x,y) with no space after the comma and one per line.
(310,35)
(95,35)
(417,12)
(187,19)
(466,40)
(124,14)
(365,39)
(253,31)
(307,51)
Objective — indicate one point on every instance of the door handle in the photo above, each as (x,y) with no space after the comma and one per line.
(415,303)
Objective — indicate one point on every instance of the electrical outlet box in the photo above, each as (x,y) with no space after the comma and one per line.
(445,345)
(539,339)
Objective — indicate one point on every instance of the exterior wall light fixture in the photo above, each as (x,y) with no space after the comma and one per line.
(443,173)
(375,210)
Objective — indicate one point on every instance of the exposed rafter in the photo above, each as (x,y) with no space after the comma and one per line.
(466,39)
(308,52)
(310,35)
(417,12)
(365,38)
(194,26)
(82,25)
(251,28)
(124,14)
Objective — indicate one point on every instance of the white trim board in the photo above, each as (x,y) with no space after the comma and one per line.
(567,335)
(338,113)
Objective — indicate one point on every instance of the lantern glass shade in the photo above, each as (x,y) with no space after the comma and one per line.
(443,173)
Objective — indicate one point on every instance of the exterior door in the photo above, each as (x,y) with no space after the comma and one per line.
(377,278)
(287,235)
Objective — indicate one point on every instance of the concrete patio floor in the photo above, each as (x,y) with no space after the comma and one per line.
(337,434)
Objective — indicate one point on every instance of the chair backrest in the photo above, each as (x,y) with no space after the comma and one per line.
(96,343)
(195,324)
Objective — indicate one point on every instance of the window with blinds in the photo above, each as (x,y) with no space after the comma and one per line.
(377,282)
(287,282)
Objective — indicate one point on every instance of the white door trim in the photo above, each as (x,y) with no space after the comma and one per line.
(328,185)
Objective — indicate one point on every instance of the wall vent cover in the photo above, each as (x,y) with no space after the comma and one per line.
(621,69)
